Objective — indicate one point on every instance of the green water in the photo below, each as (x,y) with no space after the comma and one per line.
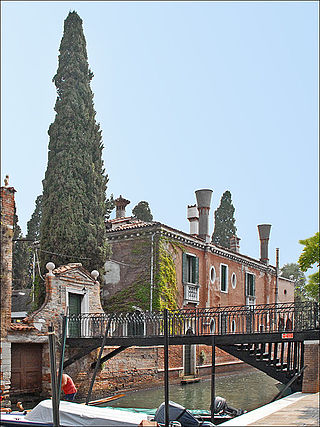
(246,390)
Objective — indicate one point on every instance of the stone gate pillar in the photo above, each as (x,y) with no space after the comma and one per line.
(311,374)
(7,214)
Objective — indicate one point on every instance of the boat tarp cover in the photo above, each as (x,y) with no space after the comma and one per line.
(179,413)
(75,414)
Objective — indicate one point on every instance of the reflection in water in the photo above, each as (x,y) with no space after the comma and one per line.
(246,390)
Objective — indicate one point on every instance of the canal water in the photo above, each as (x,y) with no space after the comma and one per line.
(247,390)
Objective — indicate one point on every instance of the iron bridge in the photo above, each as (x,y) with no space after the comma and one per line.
(269,337)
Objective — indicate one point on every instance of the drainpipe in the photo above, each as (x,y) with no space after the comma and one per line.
(277,275)
(151,273)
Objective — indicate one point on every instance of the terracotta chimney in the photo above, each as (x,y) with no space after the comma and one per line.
(264,233)
(234,244)
(121,204)
(203,204)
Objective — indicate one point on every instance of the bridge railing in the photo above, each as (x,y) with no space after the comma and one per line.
(200,321)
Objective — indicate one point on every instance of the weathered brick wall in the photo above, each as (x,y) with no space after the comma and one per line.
(312,372)
(135,367)
(7,213)
(127,283)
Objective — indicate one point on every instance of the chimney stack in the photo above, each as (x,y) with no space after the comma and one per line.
(121,204)
(193,217)
(234,244)
(203,204)
(264,233)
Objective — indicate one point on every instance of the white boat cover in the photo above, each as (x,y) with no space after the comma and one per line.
(75,414)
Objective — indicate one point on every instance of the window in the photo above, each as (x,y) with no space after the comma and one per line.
(233,326)
(234,280)
(190,267)
(223,278)
(212,274)
(250,285)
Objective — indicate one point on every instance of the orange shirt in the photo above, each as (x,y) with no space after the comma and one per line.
(69,387)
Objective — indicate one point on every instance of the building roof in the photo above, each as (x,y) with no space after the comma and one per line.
(121,225)
(21,327)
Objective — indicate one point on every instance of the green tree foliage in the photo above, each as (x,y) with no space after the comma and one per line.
(20,257)
(110,204)
(292,271)
(74,188)
(33,225)
(142,211)
(224,222)
(309,257)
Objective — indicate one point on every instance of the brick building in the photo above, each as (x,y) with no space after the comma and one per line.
(204,275)
(152,265)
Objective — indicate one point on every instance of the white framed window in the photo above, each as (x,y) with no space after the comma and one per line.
(250,285)
(223,278)
(212,274)
(190,268)
(233,280)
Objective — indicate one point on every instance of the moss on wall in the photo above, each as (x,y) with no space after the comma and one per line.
(164,278)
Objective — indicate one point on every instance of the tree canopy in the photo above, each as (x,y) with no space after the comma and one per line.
(20,257)
(74,188)
(309,257)
(224,222)
(142,211)
(293,271)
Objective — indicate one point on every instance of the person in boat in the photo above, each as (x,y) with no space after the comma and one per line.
(68,388)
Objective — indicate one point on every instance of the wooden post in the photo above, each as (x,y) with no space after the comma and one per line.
(213,374)
(63,346)
(166,367)
(55,407)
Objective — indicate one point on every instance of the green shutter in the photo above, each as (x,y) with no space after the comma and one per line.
(184,268)
(253,285)
(196,265)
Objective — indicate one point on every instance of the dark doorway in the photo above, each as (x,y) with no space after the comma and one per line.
(74,312)
(26,368)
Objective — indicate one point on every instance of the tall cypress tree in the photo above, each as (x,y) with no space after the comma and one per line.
(20,257)
(224,222)
(74,188)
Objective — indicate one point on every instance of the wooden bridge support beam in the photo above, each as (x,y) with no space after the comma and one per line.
(311,374)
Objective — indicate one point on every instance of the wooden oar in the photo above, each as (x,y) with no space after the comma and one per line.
(105,399)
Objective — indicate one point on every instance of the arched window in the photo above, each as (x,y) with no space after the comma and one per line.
(234,280)
(212,274)
(233,326)
(212,326)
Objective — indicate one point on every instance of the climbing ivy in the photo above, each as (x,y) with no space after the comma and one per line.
(165,294)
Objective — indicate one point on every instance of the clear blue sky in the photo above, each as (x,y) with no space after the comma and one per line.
(189,95)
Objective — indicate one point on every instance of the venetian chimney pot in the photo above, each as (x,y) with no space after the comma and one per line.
(121,204)
(203,204)
(264,234)
(193,218)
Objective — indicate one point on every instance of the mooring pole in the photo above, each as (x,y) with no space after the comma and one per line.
(213,373)
(63,346)
(55,407)
(166,367)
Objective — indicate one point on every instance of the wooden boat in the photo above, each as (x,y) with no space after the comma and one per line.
(72,414)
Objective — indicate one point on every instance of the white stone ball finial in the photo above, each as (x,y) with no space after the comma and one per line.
(95,274)
(50,266)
